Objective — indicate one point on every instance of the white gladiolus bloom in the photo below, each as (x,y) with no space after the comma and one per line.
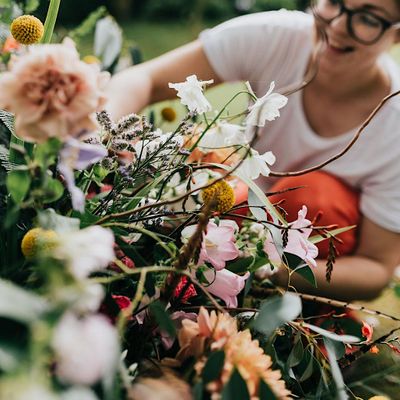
(222,135)
(86,349)
(266,108)
(191,94)
(255,164)
(87,250)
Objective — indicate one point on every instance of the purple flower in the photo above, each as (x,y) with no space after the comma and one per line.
(78,155)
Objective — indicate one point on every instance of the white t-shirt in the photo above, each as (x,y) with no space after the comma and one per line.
(276,46)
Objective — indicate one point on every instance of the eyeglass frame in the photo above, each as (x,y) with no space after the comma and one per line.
(350,13)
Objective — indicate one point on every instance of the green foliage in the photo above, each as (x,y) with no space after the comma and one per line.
(18,183)
(236,388)
(213,367)
(276,311)
(162,317)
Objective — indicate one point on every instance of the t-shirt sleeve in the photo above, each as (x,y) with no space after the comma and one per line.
(258,46)
(380,197)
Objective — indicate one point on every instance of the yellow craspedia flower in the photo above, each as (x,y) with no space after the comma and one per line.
(38,239)
(27,29)
(168,114)
(223,193)
(91,59)
(379,398)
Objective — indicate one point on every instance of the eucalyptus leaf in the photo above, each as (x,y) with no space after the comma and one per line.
(241,265)
(19,304)
(49,219)
(309,369)
(277,311)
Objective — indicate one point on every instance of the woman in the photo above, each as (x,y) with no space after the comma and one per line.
(354,74)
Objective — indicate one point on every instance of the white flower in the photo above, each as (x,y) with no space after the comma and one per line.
(258,229)
(87,250)
(191,94)
(86,349)
(222,135)
(265,108)
(255,164)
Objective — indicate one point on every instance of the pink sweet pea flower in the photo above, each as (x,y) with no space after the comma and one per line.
(226,285)
(218,243)
(297,242)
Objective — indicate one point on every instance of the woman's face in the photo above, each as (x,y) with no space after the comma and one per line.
(343,50)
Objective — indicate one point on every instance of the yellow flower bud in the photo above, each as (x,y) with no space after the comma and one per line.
(223,194)
(379,398)
(38,239)
(27,29)
(168,114)
(91,59)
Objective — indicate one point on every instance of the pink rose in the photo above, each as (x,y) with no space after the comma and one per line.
(52,93)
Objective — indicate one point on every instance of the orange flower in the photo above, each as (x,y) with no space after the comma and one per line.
(193,335)
(10,45)
(253,364)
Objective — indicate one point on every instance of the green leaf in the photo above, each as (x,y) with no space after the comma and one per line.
(241,265)
(53,191)
(19,304)
(212,369)
(45,153)
(296,354)
(397,290)
(296,264)
(309,369)
(331,335)
(163,318)
(335,232)
(18,183)
(265,392)
(198,391)
(277,311)
(236,388)
(31,6)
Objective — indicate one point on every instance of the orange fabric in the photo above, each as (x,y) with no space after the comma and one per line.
(323,192)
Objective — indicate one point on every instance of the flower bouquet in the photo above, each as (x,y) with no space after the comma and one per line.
(138,263)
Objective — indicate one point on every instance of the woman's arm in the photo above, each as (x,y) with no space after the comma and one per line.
(138,86)
(360,276)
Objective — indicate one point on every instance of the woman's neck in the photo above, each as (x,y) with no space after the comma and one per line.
(352,84)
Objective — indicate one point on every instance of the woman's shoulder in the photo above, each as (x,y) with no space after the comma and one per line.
(292,20)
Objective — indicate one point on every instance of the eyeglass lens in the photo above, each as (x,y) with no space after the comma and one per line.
(364,25)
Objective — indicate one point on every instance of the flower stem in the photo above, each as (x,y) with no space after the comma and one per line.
(50,22)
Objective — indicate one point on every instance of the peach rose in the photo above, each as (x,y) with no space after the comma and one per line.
(52,92)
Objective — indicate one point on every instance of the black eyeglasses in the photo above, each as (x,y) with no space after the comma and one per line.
(362,24)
